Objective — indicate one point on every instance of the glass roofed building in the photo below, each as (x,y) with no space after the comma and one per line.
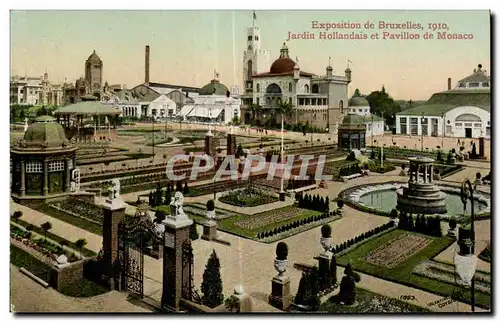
(464,111)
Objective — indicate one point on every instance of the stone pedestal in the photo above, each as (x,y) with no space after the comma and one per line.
(175,274)
(280,296)
(231,144)
(114,212)
(210,148)
(481,148)
(452,233)
(243,302)
(209,230)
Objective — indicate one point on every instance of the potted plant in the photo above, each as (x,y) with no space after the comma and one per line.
(281,259)
(326,240)
(211,210)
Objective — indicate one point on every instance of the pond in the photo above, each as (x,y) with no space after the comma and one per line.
(386,200)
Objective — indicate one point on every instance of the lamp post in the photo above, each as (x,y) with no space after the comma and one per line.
(282,192)
(313,113)
(465,260)
(422,132)
(153,120)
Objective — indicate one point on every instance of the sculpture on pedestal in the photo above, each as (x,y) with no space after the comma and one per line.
(176,204)
(115,188)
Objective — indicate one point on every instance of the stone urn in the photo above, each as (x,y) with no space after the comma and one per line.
(280,262)
(211,212)
(452,232)
(326,240)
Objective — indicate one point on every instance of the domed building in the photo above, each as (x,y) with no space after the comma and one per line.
(359,105)
(42,162)
(318,100)
(214,104)
(352,132)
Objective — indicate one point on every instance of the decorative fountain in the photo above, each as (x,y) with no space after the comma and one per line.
(421,196)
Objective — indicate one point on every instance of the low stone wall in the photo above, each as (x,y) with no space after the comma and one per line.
(63,276)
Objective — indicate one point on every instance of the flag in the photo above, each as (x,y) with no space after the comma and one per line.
(254,16)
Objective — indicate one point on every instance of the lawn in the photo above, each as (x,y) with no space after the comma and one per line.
(248,198)
(83,288)
(72,220)
(402,272)
(369,302)
(20,258)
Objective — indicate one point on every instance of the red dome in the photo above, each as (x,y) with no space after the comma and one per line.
(282,65)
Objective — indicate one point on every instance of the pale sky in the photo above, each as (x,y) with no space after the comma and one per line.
(186,46)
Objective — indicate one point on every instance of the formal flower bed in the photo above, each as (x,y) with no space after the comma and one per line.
(248,197)
(397,250)
(44,247)
(393,152)
(369,302)
(366,236)
(300,223)
(446,273)
(269,217)
(81,209)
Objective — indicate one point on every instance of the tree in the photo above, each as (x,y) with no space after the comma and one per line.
(160,216)
(46,226)
(380,102)
(151,200)
(211,286)
(80,243)
(186,188)
(29,228)
(193,232)
(284,109)
(17,214)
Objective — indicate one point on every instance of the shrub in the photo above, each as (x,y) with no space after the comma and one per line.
(46,226)
(212,283)
(17,214)
(281,251)
(453,223)
(210,205)
(326,231)
(340,203)
(193,232)
(478,175)
(394,213)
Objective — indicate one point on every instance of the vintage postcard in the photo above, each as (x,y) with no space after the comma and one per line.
(250,161)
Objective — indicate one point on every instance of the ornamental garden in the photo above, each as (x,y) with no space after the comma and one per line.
(387,246)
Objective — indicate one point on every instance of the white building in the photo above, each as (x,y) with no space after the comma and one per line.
(318,100)
(374,124)
(214,104)
(25,90)
(163,107)
(463,111)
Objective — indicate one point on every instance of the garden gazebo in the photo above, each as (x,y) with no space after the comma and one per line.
(42,162)
(89,121)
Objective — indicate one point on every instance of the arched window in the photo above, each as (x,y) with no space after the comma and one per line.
(315,89)
(306,89)
(249,69)
(258,88)
(289,87)
(341,106)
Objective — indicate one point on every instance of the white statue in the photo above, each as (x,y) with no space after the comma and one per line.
(116,188)
(25,124)
(176,205)
(73,186)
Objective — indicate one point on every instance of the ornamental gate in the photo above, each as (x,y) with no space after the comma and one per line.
(135,237)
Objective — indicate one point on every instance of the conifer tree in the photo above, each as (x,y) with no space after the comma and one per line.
(211,287)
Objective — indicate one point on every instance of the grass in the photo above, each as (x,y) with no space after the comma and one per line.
(83,288)
(402,273)
(72,220)
(86,252)
(20,258)
(369,302)
(243,198)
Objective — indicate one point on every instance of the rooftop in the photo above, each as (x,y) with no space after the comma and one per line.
(89,107)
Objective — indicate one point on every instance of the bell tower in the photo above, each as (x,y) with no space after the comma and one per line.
(255,60)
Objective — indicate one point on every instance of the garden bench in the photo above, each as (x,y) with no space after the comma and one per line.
(352,176)
(306,188)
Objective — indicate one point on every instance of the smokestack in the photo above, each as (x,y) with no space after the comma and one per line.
(146,79)
(449,83)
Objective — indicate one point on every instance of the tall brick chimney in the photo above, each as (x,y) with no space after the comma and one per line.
(146,79)
(449,83)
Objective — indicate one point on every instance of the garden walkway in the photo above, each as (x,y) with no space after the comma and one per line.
(28,296)
(250,263)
